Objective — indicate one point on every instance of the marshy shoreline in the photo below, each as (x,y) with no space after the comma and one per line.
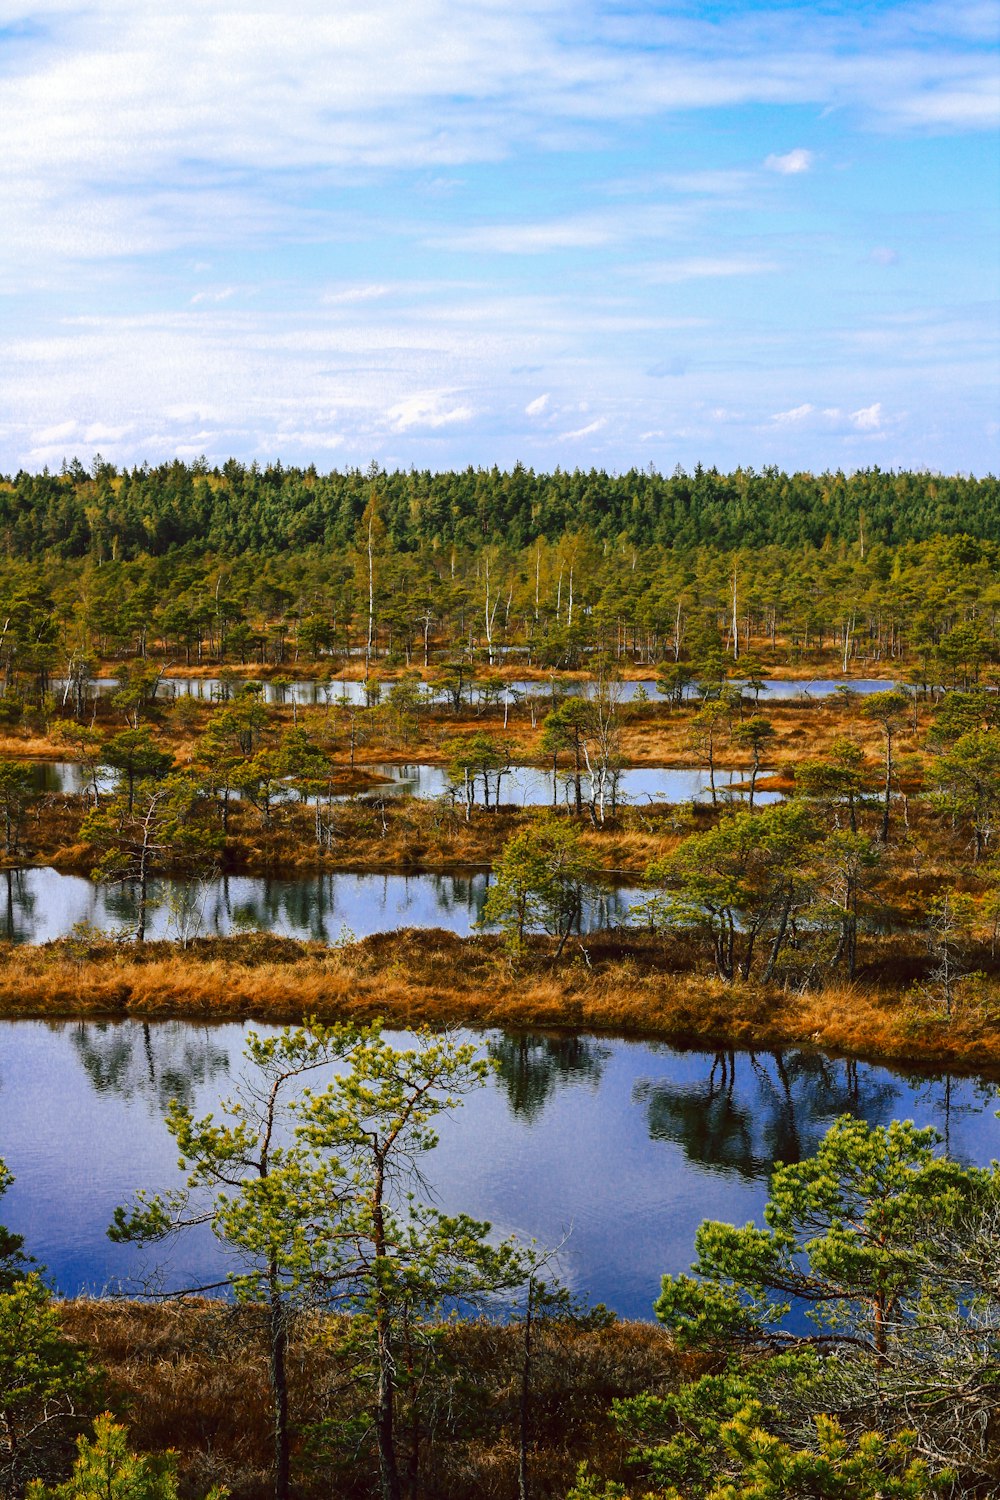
(629,986)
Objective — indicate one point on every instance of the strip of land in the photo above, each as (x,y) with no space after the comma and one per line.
(633,986)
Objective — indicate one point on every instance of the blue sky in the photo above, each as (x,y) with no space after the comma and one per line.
(444,232)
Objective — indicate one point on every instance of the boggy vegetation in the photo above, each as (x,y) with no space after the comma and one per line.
(623,986)
(872,885)
(860,914)
(846,1348)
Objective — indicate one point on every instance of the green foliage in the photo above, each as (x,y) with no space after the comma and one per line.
(158,826)
(44,1382)
(313,1190)
(967,776)
(837,776)
(106,1469)
(848,1232)
(538,881)
(237,508)
(750,1463)
(890,1251)
(135,754)
(475,757)
(15,789)
(249,1170)
(740,884)
(13,1262)
(756,734)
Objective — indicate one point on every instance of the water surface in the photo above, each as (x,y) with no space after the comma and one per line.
(619,1149)
(308,692)
(524,786)
(40,905)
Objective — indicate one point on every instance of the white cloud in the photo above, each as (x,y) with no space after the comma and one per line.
(350,294)
(100,432)
(536,407)
(60,432)
(795,414)
(792,163)
(869,418)
(584,233)
(128,126)
(582,432)
(286,438)
(222,295)
(427,409)
(707,267)
(832,419)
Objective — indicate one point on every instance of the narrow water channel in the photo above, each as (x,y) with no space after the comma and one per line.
(310,692)
(41,905)
(522,786)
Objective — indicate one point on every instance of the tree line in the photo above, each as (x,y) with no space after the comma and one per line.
(106,512)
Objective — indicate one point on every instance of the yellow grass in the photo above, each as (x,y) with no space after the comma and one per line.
(631,988)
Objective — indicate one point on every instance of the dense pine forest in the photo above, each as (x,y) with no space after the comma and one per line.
(273,566)
(106,513)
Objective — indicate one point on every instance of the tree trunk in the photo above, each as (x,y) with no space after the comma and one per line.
(278,1358)
(888,788)
(385,1397)
(525,1400)
(779,938)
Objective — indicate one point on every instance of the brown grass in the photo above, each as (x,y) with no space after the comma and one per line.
(192,1376)
(652,734)
(633,987)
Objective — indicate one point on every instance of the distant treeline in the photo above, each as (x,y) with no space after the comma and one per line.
(105,513)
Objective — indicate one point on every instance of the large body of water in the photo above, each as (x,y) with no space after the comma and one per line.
(40,905)
(618,1149)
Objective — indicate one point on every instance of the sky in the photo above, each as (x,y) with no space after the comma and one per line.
(435,233)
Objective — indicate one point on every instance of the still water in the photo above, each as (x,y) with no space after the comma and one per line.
(312,693)
(615,1149)
(41,905)
(523,786)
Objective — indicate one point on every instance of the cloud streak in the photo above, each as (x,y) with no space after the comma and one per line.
(105,104)
(792,164)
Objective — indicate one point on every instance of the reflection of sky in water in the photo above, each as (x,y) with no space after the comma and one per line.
(531,786)
(624,1147)
(39,905)
(308,693)
(525,786)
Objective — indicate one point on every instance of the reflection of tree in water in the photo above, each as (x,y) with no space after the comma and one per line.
(605,909)
(755,1109)
(950,1099)
(121,902)
(318,908)
(19,907)
(156,1063)
(531,1068)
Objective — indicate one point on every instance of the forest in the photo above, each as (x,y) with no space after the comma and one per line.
(237,509)
(709,761)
